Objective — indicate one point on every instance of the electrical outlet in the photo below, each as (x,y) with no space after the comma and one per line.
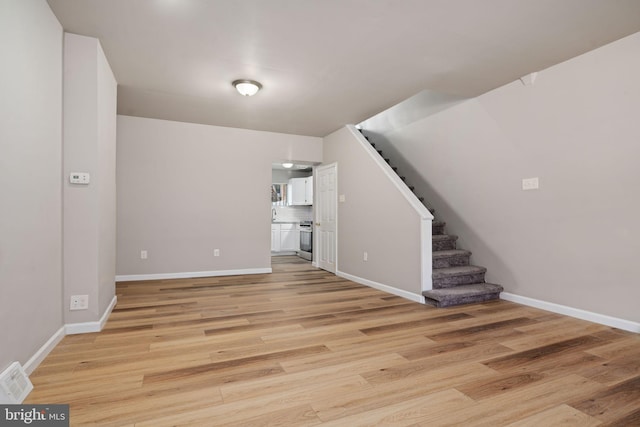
(216,252)
(143,254)
(79,302)
(365,257)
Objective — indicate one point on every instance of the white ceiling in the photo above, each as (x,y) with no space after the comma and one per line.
(326,63)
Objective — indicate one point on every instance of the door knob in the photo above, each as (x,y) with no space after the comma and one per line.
(317,224)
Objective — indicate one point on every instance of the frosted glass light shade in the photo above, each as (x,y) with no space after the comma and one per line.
(247,87)
(287,165)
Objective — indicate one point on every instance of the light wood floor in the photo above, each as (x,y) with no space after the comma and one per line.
(304,347)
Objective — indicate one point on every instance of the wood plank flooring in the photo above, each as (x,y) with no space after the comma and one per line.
(303,347)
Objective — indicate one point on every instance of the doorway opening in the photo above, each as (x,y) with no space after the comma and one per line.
(291,212)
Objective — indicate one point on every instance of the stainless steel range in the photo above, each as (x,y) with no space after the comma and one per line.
(306,240)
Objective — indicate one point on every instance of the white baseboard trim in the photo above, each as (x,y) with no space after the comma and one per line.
(88,327)
(43,351)
(68,329)
(386,288)
(602,319)
(192,274)
(107,312)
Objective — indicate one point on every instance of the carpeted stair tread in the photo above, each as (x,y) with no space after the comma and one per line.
(450,253)
(443,237)
(449,258)
(463,294)
(462,270)
(443,242)
(458,275)
(437,227)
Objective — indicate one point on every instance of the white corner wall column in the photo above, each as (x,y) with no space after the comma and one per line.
(89,121)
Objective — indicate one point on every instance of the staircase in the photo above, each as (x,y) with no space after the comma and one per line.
(455,281)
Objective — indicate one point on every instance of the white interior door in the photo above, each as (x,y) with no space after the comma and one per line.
(326,245)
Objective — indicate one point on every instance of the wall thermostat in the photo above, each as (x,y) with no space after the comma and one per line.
(79,178)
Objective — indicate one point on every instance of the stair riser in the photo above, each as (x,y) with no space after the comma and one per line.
(443,245)
(454,261)
(467,300)
(466,279)
(437,229)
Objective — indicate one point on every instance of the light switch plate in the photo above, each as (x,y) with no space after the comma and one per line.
(530,183)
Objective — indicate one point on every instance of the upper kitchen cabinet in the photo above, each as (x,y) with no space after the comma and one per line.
(301,191)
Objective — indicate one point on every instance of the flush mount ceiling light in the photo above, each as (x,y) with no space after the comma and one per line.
(287,165)
(247,87)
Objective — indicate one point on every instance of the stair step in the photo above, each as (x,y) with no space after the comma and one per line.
(464,294)
(403,178)
(372,144)
(387,160)
(437,227)
(460,275)
(450,258)
(379,152)
(411,187)
(443,242)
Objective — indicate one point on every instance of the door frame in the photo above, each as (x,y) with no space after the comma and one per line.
(318,209)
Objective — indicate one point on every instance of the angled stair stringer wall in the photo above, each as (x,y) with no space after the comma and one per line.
(378,216)
(455,281)
(574,242)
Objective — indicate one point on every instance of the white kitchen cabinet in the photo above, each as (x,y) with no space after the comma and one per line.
(275,237)
(285,237)
(301,191)
(308,187)
(297,191)
(289,238)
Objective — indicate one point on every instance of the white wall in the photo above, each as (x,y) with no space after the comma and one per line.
(374,218)
(186,189)
(30,178)
(575,241)
(89,146)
